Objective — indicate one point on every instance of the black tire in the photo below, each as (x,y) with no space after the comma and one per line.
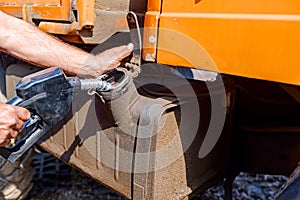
(15,178)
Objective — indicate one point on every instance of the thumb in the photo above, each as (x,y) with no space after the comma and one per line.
(119,53)
(22,113)
(114,56)
(124,51)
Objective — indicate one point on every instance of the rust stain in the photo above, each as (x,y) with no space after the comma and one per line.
(120,23)
(58,28)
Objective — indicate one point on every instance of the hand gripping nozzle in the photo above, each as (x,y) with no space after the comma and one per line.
(48,95)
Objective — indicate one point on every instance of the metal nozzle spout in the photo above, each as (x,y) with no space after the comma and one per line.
(96,84)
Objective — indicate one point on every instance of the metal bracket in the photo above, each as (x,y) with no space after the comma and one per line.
(136,39)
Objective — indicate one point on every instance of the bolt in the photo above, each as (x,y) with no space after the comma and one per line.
(152,39)
(150,57)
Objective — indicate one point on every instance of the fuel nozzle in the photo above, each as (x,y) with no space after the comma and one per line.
(95,85)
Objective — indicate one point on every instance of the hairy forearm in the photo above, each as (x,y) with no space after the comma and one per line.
(28,43)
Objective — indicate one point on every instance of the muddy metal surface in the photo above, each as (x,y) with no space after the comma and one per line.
(56,180)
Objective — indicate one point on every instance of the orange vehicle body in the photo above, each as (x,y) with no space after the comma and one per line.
(254,45)
(255,39)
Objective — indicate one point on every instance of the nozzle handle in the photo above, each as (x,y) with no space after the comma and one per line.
(33,130)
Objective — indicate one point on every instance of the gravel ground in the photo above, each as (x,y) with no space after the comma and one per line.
(248,187)
(56,181)
(75,187)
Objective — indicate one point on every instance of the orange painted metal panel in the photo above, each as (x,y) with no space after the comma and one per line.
(40,12)
(150,36)
(257,39)
(232,6)
(86,14)
(31,2)
(57,11)
(151,30)
(58,28)
(154,5)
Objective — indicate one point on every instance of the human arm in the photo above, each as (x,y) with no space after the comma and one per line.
(29,43)
(11,120)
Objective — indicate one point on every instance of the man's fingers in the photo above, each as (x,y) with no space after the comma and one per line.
(4,142)
(124,51)
(115,56)
(119,53)
(5,135)
(22,113)
(14,134)
(19,125)
(105,61)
